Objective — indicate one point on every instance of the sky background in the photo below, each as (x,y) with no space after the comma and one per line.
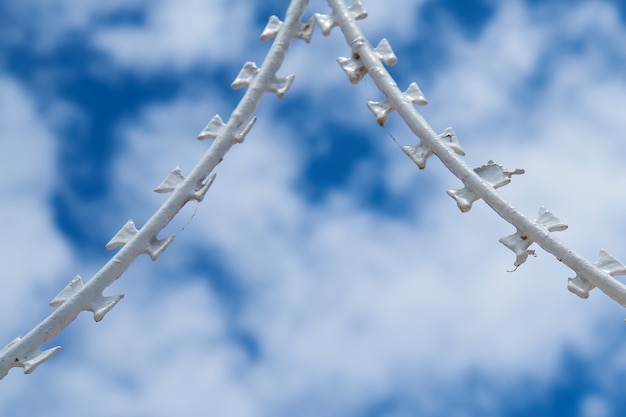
(324,274)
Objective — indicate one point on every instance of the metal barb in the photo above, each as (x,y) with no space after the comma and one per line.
(212,129)
(173,180)
(125,234)
(519,242)
(24,351)
(327,22)
(492,174)
(99,305)
(382,109)
(580,285)
(420,152)
(15,354)
(274,24)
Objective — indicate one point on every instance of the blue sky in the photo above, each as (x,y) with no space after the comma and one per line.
(323,274)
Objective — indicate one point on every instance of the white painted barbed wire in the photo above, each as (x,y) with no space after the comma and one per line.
(478,183)
(78,296)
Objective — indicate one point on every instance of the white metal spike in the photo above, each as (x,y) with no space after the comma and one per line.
(418,154)
(306,30)
(250,70)
(202,188)
(239,138)
(34,358)
(609,264)
(173,180)
(327,22)
(496,175)
(356,10)
(381,109)
(24,357)
(245,76)
(415,95)
(280,85)
(99,306)
(353,67)
(449,138)
(271,29)
(212,129)
(550,221)
(519,243)
(157,246)
(581,286)
(385,53)
(103,304)
(493,174)
(464,198)
(274,24)
(126,233)
(70,289)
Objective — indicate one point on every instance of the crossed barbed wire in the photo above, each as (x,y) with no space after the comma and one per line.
(478,183)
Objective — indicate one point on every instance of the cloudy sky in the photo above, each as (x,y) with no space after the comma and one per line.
(324,274)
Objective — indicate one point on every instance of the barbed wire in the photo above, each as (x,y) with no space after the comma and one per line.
(478,183)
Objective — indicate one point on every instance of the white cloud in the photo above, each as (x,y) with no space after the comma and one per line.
(27,160)
(179,34)
(595,406)
(162,35)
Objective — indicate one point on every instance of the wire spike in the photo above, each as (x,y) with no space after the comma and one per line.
(550,221)
(173,180)
(353,67)
(157,246)
(66,293)
(381,110)
(201,189)
(415,95)
(306,30)
(418,154)
(102,305)
(99,306)
(245,76)
(385,53)
(271,29)
(464,198)
(357,10)
(242,134)
(581,286)
(34,358)
(27,359)
(450,138)
(494,174)
(127,232)
(519,244)
(280,85)
(609,264)
(212,129)
(327,22)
